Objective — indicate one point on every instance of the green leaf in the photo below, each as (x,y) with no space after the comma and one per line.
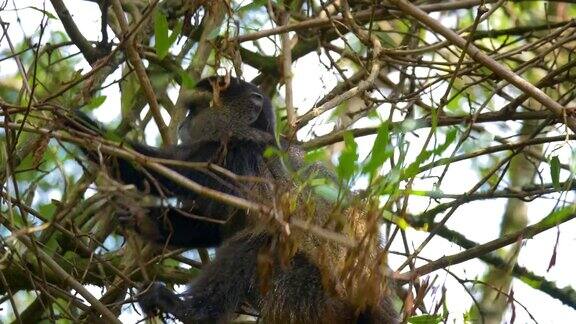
(380,151)
(347,163)
(425,319)
(96,102)
(327,191)
(402,223)
(450,137)
(187,81)
(555,172)
(47,210)
(271,151)
(387,41)
(130,92)
(162,42)
(113,136)
(52,246)
(315,155)
(175,32)
(557,216)
(414,167)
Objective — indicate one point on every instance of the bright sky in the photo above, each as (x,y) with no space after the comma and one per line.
(479,221)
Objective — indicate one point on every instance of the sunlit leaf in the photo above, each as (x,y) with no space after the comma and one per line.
(402,223)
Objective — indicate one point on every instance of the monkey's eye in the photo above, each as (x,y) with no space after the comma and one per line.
(257,99)
(198,101)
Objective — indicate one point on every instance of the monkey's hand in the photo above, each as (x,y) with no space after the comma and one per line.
(144,224)
(156,299)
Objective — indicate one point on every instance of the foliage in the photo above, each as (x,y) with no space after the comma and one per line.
(408,119)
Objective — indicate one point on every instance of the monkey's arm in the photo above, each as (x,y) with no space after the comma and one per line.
(163,225)
(167,225)
(172,226)
(130,172)
(122,169)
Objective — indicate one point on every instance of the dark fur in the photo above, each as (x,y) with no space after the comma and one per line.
(250,265)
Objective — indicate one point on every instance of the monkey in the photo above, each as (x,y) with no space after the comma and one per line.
(248,135)
(295,277)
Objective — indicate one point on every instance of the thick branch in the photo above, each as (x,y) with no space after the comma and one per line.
(90,53)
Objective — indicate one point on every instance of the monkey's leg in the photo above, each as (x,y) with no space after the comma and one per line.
(219,289)
(168,225)
(299,296)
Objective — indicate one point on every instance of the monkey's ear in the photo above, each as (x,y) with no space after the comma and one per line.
(257,101)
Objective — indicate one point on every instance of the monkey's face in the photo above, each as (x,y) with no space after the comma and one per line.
(224,104)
